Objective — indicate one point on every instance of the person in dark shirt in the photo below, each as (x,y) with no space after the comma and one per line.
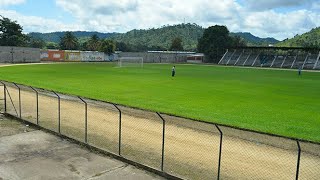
(173,71)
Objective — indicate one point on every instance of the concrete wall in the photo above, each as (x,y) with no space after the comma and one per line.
(92,56)
(10,54)
(158,57)
(72,56)
(68,55)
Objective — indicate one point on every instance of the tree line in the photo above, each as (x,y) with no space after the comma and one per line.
(212,42)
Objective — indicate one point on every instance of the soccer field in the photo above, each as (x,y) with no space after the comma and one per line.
(273,101)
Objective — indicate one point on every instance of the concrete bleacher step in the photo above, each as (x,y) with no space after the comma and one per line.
(243,58)
(251,59)
(278,61)
(272,57)
(226,57)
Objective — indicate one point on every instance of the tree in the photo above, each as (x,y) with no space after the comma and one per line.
(52,45)
(107,46)
(83,46)
(214,41)
(237,41)
(69,42)
(93,43)
(11,33)
(121,46)
(176,44)
(36,43)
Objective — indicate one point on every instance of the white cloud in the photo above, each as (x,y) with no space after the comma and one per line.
(258,5)
(272,24)
(39,24)
(125,15)
(4,3)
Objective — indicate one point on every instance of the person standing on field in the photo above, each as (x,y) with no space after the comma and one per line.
(173,71)
(299,70)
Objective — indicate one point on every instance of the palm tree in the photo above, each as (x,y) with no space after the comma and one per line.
(107,46)
(93,43)
(69,41)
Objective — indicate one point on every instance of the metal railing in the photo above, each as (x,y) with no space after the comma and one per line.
(174,147)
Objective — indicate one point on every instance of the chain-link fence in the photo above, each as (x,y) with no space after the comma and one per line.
(171,145)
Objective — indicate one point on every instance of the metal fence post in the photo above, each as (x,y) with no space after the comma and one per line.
(298,162)
(59,119)
(7,92)
(37,96)
(85,119)
(19,99)
(119,128)
(163,138)
(4,96)
(220,151)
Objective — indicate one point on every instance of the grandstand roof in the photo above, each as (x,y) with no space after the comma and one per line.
(274,47)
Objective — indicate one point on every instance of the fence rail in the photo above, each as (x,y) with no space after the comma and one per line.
(173,146)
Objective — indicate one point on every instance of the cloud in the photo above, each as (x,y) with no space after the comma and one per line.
(39,24)
(4,3)
(125,15)
(269,23)
(258,5)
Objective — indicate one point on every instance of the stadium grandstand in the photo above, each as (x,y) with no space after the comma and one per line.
(274,57)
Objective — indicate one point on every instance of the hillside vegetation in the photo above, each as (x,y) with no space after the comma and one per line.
(308,39)
(162,37)
(55,36)
(155,38)
(252,40)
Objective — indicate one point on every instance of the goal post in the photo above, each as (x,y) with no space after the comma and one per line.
(130,62)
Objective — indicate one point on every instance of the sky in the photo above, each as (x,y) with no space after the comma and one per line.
(264,18)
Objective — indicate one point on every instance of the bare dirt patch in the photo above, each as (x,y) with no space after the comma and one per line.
(10,127)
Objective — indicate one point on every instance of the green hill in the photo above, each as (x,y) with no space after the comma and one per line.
(252,40)
(155,38)
(308,39)
(55,36)
(162,37)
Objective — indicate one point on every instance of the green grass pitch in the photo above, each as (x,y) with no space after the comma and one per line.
(272,101)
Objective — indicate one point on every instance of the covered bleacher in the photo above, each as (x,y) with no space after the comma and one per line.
(274,57)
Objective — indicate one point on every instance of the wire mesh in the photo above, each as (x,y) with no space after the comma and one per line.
(28,104)
(249,155)
(103,126)
(191,148)
(12,99)
(72,117)
(48,110)
(310,161)
(141,138)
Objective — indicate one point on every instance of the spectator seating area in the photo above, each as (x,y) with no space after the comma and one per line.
(274,57)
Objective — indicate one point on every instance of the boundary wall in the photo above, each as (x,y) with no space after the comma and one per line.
(9,54)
